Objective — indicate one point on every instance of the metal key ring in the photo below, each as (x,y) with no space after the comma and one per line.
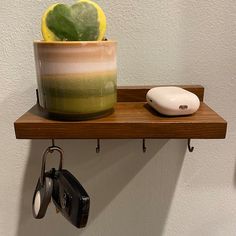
(47,151)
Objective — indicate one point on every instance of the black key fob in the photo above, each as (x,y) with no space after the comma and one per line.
(70,198)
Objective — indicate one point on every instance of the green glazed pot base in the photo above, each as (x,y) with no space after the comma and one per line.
(77,117)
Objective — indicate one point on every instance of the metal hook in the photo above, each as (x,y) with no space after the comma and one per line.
(51,147)
(190,148)
(144,145)
(98,146)
(53,143)
(45,154)
(37,96)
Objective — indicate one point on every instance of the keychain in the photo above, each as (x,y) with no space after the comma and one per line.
(44,187)
(68,195)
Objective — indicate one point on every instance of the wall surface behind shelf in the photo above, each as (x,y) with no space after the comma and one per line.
(166,191)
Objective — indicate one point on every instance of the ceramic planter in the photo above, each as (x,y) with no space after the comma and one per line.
(76,80)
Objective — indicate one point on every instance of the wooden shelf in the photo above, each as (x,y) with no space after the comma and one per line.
(132,118)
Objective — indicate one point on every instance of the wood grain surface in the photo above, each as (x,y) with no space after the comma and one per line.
(129,120)
(138,93)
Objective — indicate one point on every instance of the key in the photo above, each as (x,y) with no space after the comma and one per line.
(70,198)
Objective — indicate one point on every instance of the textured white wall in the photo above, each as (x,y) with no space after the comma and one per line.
(166,191)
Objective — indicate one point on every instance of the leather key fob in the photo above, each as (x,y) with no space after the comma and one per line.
(42,197)
(44,188)
(70,198)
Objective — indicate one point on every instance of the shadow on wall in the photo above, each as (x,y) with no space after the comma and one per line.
(104,176)
(234,177)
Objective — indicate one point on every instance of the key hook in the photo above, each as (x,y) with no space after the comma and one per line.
(50,149)
(53,143)
(98,146)
(144,146)
(190,148)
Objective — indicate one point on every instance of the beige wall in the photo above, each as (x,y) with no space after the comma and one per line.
(166,191)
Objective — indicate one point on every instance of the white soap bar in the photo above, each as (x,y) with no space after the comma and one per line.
(173,101)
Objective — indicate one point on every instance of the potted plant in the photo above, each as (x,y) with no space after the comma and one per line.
(75,65)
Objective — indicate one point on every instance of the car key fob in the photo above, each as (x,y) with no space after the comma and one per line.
(70,198)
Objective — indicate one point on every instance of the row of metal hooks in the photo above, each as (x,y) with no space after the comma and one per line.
(190,148)
(98,147)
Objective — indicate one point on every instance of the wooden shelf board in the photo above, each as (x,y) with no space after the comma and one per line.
(138,93)
(129,120)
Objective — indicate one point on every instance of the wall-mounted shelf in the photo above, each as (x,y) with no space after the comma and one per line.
(132,118)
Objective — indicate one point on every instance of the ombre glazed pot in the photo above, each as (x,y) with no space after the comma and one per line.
(76,80)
